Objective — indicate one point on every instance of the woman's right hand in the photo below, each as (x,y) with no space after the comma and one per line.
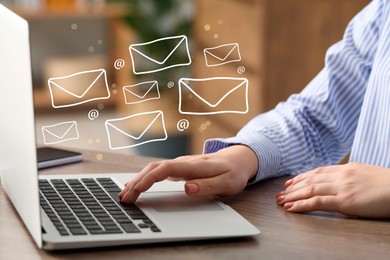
(223,173)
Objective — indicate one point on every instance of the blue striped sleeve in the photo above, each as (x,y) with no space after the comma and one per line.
(316,127)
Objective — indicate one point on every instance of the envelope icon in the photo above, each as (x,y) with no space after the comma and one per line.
(141,92)
(230,95)
(79,88)
(122,134)
(222,54)
(61,132)
(172,52)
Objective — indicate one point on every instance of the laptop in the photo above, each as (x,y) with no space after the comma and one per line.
(80,211)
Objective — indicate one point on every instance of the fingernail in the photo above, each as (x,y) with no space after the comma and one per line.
(288,182)
(280,198)
(288,205)
(121,198)
(121,194)
(191,188)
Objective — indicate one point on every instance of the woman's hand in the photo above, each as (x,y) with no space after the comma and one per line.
(223,173)
(352,189)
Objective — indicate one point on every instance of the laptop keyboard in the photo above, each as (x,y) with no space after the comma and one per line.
(90,206)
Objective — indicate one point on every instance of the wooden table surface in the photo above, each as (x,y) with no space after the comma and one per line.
(319,235)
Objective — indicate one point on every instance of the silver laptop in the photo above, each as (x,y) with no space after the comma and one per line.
(77,211)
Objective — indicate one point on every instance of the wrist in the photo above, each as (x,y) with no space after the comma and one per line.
(244,159)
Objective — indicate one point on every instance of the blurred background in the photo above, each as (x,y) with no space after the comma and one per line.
(277,45)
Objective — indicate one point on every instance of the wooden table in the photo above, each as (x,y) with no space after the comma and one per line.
(318,235)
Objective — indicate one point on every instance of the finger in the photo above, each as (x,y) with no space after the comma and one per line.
(124,191)
(318,175)
(327,203)
(133,182)
(310,180)
(186,157)
(150,167)
(130,184)
(130,196)
(206,185)
(220,185)
(322,189)
(175,179)
(178,169)
(316,171)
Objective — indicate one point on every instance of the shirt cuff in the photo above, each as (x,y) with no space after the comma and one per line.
(267,152)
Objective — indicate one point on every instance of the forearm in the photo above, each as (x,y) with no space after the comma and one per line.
(316,127)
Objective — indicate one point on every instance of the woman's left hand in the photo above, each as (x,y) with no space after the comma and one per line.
(352,189)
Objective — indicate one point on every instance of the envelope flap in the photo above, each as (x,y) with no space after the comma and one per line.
(123,125)
(60,130)
(78,84)
(141,90)
(222,52)
(170,44)
(228,85)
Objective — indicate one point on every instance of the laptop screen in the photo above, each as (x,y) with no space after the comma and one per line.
(18,163)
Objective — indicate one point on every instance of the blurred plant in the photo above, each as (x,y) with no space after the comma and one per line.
(154,19)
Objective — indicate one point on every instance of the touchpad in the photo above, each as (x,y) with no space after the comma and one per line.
(177,202)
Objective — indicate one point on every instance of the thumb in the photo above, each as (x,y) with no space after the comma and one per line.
(201,187)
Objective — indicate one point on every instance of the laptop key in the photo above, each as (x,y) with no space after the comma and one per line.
(93,227)
(90,206)
(134,212)
(155,229)
(78,231)
(63,232)
(101,232)
(130,228)
(124,220)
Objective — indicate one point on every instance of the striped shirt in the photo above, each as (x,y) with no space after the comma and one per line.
(345,108)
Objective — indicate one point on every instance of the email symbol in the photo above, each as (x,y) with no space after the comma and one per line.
(147,121)
(61,132)
(222,54)
(176,55)
(141,92)
(79,88)
(230,95)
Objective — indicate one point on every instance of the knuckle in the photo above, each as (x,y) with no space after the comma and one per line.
(316,202)
(346,171)
(309,179)
(184,158)
(310,191)
(153,165)
(354,164)
(204,157)
(163,168)
(351,167)
(319,170)
(166,165)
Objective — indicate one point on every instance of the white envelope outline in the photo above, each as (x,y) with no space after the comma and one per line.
(225,59)
(109,124)
(242,83)
(141,98)
(53,84)
(133,48)
(68,134)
